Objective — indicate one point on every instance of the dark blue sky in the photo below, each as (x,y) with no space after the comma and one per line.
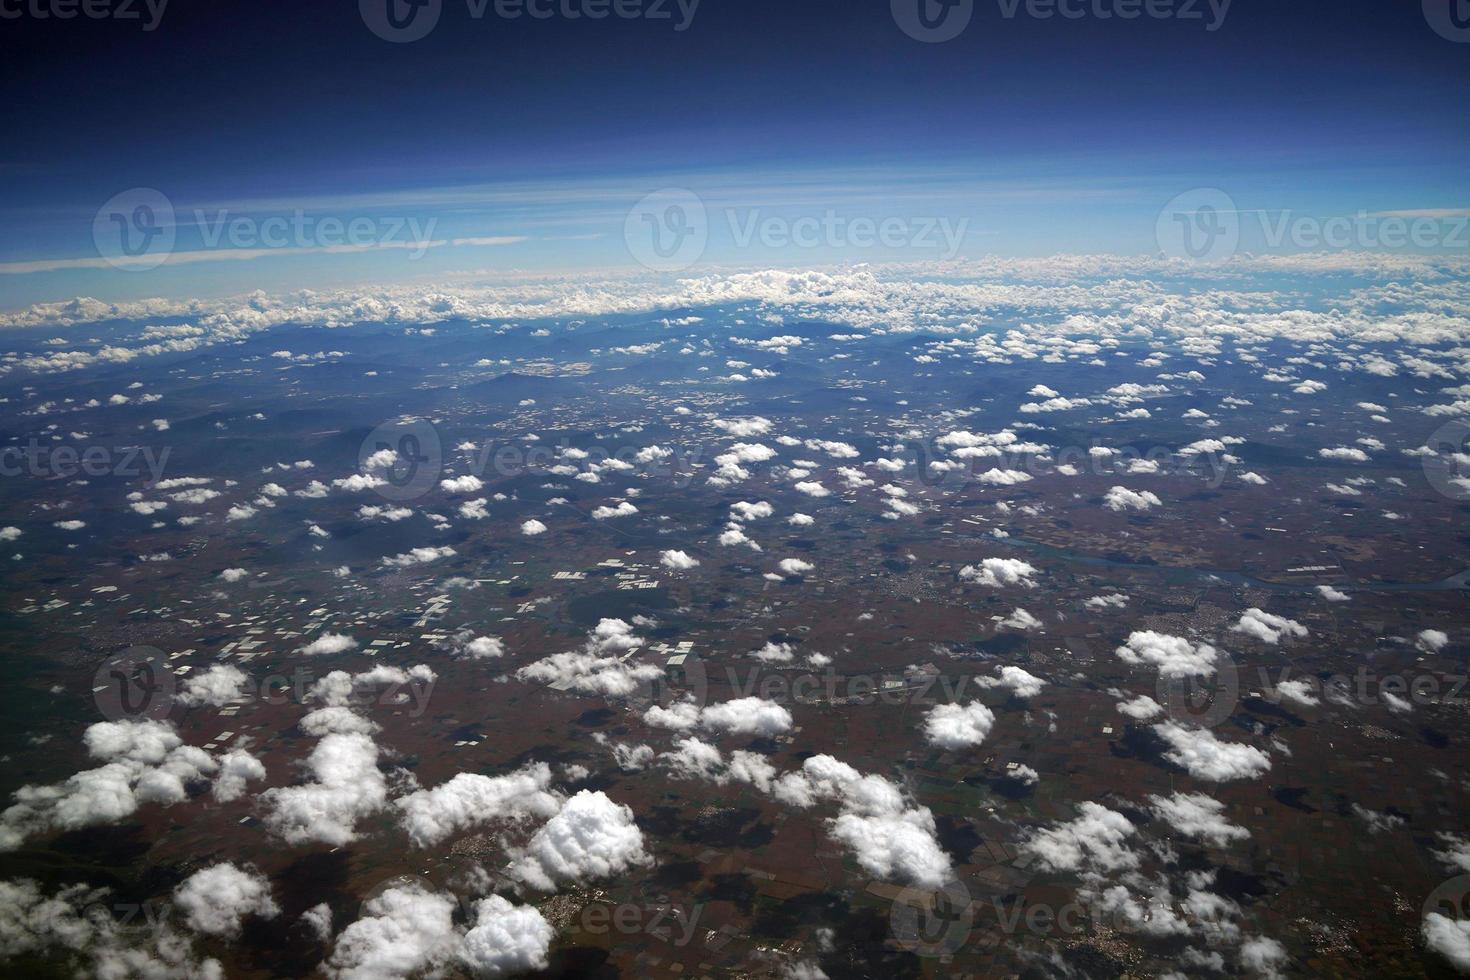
(1054,135)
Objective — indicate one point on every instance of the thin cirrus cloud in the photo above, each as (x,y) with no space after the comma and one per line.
(246,254)
(593,207)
